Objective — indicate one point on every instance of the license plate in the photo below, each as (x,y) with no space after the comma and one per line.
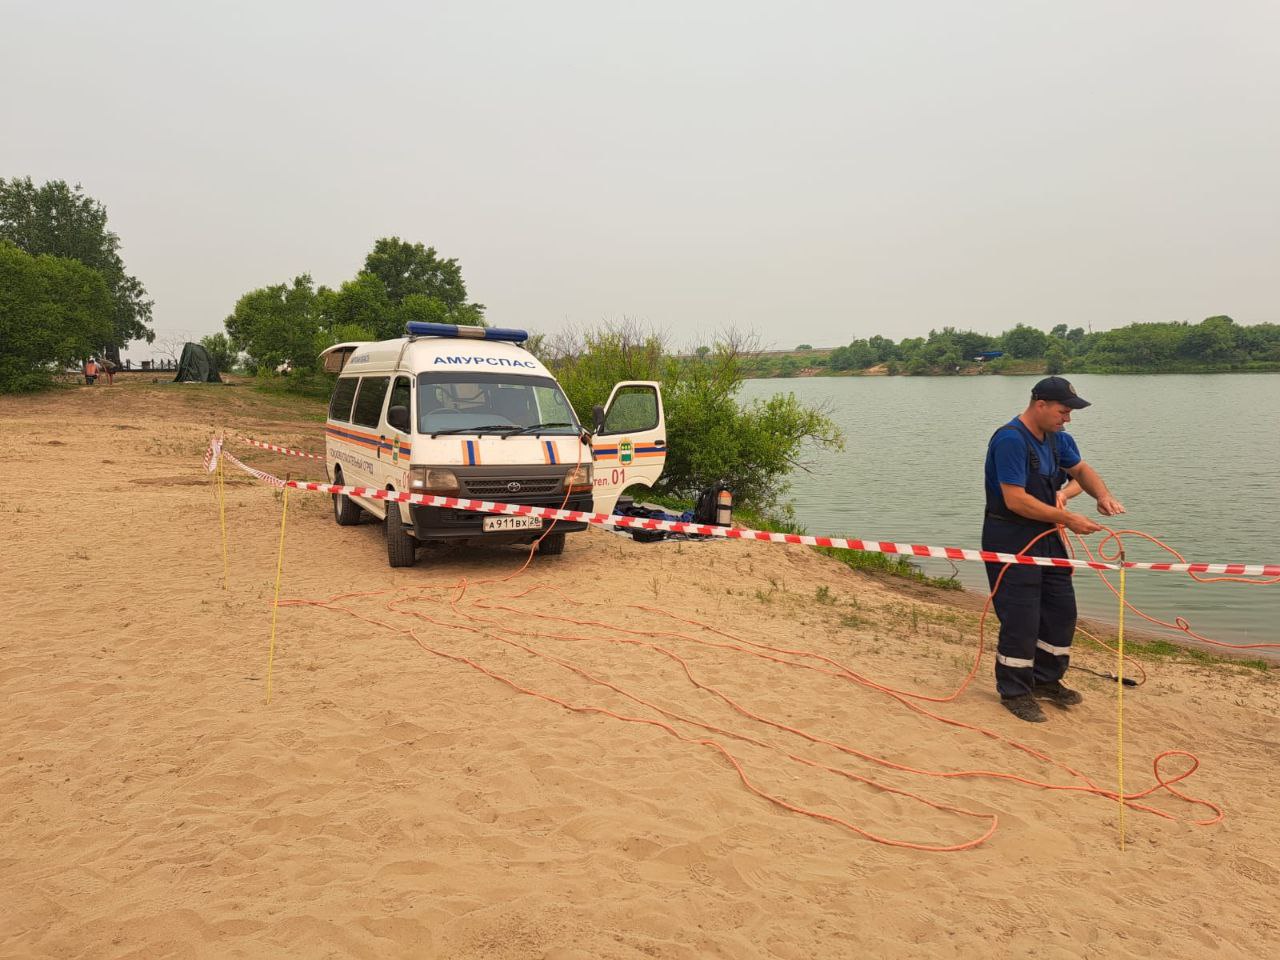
(494,524)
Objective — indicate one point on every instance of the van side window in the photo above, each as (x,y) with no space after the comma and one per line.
(368,408)
(343,394)
(400,396)
(633,409)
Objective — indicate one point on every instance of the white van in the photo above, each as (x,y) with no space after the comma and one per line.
(468,412)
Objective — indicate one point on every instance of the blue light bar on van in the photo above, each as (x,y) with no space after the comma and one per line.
(415,328)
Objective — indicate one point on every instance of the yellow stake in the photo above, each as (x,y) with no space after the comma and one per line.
(275,606)
(1120,702)
(222,516)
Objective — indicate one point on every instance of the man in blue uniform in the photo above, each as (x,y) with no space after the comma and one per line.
(1029,460)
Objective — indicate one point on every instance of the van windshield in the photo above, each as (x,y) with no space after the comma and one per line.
(493,403)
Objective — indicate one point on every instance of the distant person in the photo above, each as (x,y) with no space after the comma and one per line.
(1029,459)
(109,368)
(91,371)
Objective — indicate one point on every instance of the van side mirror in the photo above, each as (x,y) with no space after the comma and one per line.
(398,417)
(597,417)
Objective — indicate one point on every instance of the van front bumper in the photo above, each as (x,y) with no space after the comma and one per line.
(446,523)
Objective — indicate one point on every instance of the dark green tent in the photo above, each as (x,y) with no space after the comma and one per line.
(196,366)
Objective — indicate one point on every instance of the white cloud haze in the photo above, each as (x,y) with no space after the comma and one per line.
(810,171)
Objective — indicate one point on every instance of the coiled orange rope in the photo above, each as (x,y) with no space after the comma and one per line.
(503,629)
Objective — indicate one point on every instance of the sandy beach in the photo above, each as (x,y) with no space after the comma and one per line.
(679,750)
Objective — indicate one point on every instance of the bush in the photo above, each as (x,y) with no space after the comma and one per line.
(710,435)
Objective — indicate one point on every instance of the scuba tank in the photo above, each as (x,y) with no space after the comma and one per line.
(715,506)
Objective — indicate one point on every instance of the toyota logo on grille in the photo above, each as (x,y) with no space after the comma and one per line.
(513,486)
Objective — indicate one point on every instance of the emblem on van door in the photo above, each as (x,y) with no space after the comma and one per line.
(513,486)
(625,451)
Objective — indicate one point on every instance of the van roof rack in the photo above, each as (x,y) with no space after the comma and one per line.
(415,328)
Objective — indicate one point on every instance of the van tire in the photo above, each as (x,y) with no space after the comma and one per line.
(345,510)
(401,547)
(552,545)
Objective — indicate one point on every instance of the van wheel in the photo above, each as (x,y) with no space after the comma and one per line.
(401,548)
(552,545)
(345,510)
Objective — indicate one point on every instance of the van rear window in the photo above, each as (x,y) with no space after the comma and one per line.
(340,402)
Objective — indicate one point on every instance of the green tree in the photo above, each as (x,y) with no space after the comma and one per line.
(410,269)
(1260,341)
(1025,342)
(54,312)
(908,348)
(420,307)
(804,346)
(970,343)
(1055,357)
(1211,341)
(221,352)
(63,221)
(277,325)
(361,302)
(1139,346)
(884,349)
(856,356)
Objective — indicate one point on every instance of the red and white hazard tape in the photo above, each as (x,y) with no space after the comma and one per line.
(211,454)
(261,475)
(729,533)
(285,450)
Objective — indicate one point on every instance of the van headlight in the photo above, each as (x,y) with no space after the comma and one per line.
(432,480)
(578,479)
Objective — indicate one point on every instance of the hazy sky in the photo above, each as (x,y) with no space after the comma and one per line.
(810,171)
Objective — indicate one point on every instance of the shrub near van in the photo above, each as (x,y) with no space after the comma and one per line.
(468,412)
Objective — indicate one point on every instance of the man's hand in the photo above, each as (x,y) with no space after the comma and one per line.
(1079,523)
(1072,489)
(1109,506)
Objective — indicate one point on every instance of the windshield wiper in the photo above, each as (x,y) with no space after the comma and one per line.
(541,426)
(487,428)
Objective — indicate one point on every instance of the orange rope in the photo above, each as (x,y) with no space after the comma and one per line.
(755,649)
(1179,623)
(503,631)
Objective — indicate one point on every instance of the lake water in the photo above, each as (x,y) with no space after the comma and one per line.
(1195,460)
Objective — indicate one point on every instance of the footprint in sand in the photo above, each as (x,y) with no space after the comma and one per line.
(1256,870)
(475,806)
(700,873)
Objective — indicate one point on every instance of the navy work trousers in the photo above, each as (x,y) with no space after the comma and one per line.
(1036,607)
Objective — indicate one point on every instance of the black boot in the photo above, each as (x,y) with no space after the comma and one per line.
(1024,708)
(1056,693)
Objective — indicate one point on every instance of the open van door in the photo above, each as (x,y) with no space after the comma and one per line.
(630,443)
